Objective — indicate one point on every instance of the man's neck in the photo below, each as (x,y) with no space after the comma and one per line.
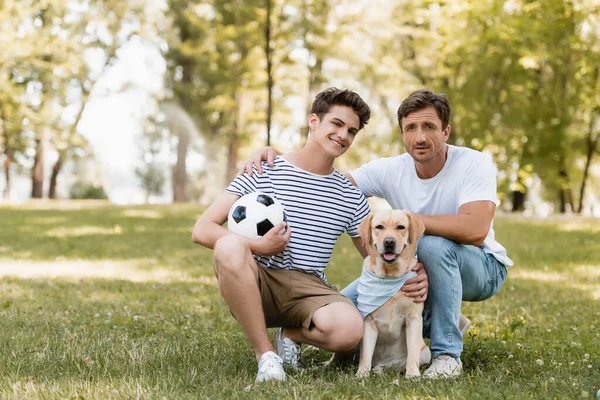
(311,161)
(432,167)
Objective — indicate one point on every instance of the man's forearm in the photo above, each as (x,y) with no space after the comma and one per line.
(460,228)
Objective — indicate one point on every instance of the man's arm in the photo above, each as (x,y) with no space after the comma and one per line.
(208,229)
(470,226)
(267,154)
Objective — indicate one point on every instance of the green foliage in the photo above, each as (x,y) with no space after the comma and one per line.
(87,191)
(522,76)
(102,301)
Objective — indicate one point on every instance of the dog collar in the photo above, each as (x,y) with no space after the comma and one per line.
(374,291)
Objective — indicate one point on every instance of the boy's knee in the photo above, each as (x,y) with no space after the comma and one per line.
(353,335)
(346,331)
(229,251)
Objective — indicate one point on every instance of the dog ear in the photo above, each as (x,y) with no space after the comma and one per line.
(415,230)
(364,231)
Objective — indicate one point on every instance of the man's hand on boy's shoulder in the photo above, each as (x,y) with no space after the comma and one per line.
(273,242)
(267,154)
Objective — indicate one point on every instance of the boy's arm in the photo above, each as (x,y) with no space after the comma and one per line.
(358,243)
(209,229)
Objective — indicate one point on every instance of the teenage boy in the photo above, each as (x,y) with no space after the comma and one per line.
(278,280)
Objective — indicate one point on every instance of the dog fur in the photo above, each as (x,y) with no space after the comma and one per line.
(393,333)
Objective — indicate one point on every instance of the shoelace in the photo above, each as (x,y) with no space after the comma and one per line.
(292,351)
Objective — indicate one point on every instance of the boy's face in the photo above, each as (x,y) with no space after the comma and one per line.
(336,131)
(422,134)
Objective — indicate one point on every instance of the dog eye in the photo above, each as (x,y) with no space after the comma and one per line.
(379,227)
(400,227)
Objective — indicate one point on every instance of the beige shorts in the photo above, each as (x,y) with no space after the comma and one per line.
(290,298)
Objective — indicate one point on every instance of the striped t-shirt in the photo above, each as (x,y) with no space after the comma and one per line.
(318,209)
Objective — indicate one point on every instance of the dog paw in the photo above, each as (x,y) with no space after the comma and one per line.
(412,374)
(363,373)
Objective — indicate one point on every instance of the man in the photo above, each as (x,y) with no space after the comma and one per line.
(278,280)
(453,192)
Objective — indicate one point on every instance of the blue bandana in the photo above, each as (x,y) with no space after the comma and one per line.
(374,291)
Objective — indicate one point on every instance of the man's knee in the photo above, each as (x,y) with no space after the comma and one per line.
(230,253)
(435,251)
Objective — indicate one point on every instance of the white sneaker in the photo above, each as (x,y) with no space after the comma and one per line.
(443,367)
(288,350)
(464,324)
(270,366)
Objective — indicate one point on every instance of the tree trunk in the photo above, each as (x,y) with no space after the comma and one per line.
(180,178)
(268,52)
(314,84)
(7,161)
(232,150)
(37,172)
(565,195)
(518,203)
(592,144)
(232,156)
(54,177)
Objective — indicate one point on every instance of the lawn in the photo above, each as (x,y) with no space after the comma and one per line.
(101,301)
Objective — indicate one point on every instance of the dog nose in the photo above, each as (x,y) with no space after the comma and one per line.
(389,242)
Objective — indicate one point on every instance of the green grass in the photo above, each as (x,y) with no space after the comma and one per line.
(101,301)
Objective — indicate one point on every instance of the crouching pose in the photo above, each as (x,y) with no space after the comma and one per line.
(278,280)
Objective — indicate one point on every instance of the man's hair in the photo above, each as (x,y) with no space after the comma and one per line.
(341,97)
(424,98)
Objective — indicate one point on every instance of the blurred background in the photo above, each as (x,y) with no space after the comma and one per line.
(157,101)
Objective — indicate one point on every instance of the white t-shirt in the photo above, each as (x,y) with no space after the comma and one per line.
(467,176)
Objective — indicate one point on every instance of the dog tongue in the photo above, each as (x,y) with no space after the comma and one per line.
(389,256)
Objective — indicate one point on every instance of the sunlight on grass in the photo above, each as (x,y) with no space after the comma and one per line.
(86,230)
(149,214)
(47,220)
(578,225)
(45,204)
(13,290)
(583,278)
(106,269)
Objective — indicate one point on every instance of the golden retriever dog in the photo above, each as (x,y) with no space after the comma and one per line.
(393,333)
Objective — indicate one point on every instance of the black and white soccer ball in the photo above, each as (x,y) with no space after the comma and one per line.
(254,214)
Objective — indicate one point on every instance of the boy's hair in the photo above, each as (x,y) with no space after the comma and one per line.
(424,98)
(341,97)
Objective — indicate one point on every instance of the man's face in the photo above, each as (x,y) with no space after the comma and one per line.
(336,131)
(422,134)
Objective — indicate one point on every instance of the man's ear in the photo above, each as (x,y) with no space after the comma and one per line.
(415,231)
(364,231)
(447,132)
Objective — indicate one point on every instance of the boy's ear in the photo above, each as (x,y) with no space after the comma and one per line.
(313,121)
